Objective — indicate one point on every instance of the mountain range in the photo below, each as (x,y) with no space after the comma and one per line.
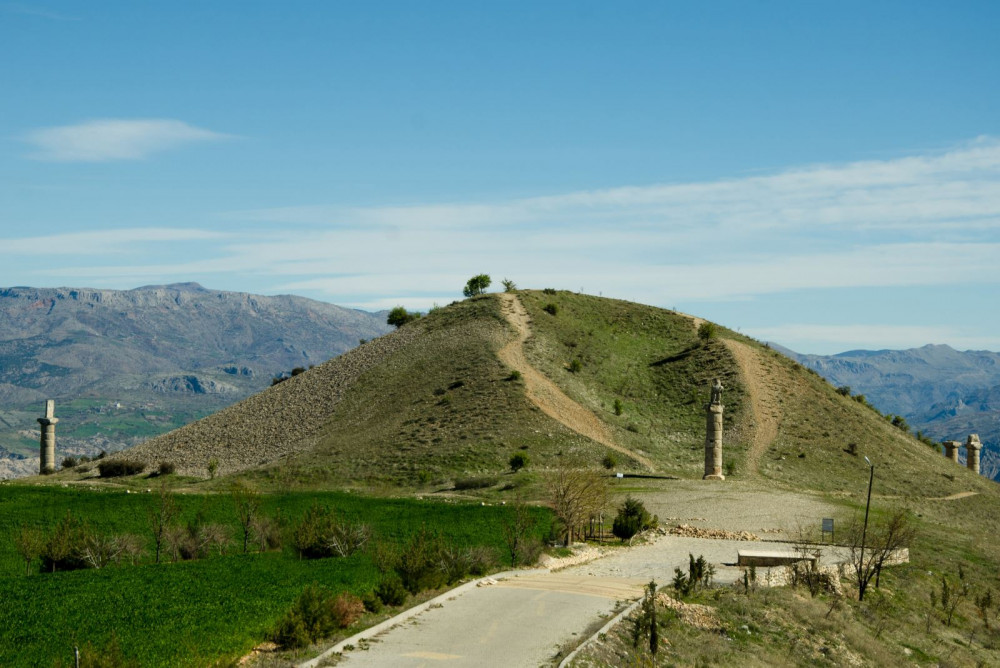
(945,393)
(126,365)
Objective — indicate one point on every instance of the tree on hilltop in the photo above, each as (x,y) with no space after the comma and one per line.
(399,316)
(476,285)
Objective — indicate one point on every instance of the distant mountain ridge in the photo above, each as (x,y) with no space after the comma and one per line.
(144,350)
(941,391)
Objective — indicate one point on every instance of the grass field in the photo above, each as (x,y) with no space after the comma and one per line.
(198,612)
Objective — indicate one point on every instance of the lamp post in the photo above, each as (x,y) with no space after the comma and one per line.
(862,581)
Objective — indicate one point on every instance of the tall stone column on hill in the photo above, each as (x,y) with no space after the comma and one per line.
(972,448)
(713,435)
(951,450)
(47,447)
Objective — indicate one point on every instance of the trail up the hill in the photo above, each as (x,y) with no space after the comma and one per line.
(544,393)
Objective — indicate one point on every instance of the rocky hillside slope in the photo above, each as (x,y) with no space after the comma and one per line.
(126,365)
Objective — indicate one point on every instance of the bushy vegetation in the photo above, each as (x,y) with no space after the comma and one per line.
(117,468)
(476,285)
(632,518)
(316,614)
(219,605)
(399,316)
(518,461)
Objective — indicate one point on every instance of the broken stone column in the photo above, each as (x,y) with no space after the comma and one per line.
(713,435)
(47,447)
(972,448)
(951,450)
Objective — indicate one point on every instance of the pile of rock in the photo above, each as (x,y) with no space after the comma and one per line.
(689,531)
(702,617)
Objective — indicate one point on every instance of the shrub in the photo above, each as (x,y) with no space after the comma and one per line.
(518,461)
(609,461)
(167,468)
(419,562)
(618,407)
(844,390)
(707,330)
(290,632)
(632,428)
(391,591)
(63,549)
(70,462)
(549,291)
(213,467)
(576,366)
(631,519)
(399,316)
(483,559)
(508,285)
(347,609)
(314,615)
(117,468)
(515,375)
(551,309)
(320,534)
(475,483)
(372,602)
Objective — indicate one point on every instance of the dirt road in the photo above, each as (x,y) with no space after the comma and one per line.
(545,394)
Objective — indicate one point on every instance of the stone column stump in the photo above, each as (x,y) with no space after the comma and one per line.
(972,448)
(951,450)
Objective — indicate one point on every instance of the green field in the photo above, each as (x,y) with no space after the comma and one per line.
(196,612)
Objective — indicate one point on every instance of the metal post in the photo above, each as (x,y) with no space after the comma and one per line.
(76,656)
(863,585)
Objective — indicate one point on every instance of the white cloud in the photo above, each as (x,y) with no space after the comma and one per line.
(105,140)
(101,242)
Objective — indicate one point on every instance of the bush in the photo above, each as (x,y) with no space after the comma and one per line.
(290,632)
(70,462)
(391,591)
(476,285)
(551,309)
(515,375)
(63,551)
(347,609)
(631,519)
(609,461)
(372,602)
(319,534)
(508,285)
(419,562)
(518,461)
(618,407)
(167,468)
(117,468)
(707,330)
(576,366)
(844,390)
(549,291)
(399,316)
(475,483)
(483,559)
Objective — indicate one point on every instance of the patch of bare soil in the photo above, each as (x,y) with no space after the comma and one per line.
(544,393)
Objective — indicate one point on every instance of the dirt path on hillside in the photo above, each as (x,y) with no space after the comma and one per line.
(762,419)
(544,393)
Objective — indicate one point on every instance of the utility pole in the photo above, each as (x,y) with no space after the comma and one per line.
(862,583)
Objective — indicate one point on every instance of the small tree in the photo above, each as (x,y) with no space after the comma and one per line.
(246,500)
(161,516)
(516,527)
(508,285)
(609,461)
(213,467)
(476,285)
(29,543)
(631,519)
(869,554)
(518,461)
(399,316)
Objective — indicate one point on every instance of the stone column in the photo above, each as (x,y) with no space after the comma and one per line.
(47,447)
(713,435)
(951,450)
(972,448)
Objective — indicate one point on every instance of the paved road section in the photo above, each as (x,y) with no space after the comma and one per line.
(524,621)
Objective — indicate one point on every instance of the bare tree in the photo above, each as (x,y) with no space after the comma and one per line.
(247,502)
(576,495)
(161,515)
(884,539)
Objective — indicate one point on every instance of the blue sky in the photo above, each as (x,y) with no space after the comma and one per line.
(823,175)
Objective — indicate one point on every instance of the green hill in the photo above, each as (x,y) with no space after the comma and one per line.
(433,402)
